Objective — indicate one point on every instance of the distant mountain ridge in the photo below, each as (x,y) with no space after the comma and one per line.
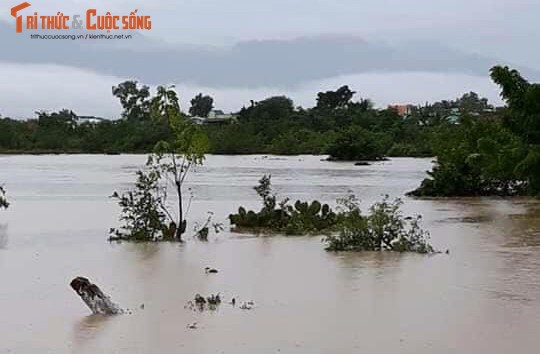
(268,63)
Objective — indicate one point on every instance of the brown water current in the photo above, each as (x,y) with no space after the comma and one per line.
(483,297)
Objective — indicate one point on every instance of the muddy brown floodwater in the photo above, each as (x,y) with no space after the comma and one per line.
(484,297)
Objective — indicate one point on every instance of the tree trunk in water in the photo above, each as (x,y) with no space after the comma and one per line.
(94,298)
(181,222)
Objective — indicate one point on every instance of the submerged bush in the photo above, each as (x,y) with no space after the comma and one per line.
(143,213)
(298,219)
(202,230)
(384,228)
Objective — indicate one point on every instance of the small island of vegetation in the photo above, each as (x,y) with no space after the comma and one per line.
(491,155)
(347,229)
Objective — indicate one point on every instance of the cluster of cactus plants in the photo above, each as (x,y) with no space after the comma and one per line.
(308,218)
(298,219)
(383,228)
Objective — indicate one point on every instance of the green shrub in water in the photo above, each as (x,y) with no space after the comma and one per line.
(384,228)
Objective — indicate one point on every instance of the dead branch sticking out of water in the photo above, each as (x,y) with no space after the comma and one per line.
(209,270)
(202,231)
(94,298)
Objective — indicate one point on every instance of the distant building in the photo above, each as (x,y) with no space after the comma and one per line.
(217,113)
(403,110)
(214,117)
(79,120)
(197,120)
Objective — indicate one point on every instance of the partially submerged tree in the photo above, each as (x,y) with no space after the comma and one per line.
(356,143)
(490,155)
(144,213)
(523,119)
(384,228)
(147,213)
(4,204)
(175,159)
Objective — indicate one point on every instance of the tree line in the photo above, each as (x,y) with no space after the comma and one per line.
(480,150)
(337,125)
(495,154)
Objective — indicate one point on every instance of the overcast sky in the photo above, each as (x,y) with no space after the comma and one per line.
(506,30)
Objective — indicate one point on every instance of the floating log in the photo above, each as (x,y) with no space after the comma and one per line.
(94,298)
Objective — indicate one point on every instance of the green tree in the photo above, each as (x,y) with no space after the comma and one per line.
(477,158)
(332,100)
(270,109)
(134,99)
(472,103)
(56,130)
(201,105)
(489,154)
(175,158)
(523,119)
(168,166)
(356,143)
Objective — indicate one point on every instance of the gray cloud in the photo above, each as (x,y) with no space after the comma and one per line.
(389,50)
(273,63)
(500,28)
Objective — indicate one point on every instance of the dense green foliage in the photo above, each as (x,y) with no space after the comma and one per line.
(135,100)
(384,228)
(201,105)
(143,211)
(356,143)
(337,125)
(4,204)
(302,218)
(493,154)
(59,132)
